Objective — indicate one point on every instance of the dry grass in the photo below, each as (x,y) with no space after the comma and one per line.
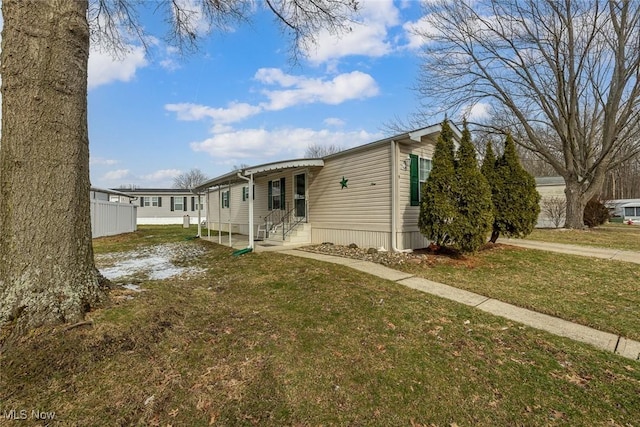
(614,236)
(270,340)
(603,294)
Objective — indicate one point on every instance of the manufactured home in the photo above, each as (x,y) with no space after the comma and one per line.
(166,205)
(368,195)
(552,201)
(624,210)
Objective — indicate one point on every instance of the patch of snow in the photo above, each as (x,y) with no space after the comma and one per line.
(156,262)
(132,287)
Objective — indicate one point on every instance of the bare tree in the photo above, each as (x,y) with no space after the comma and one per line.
(190,179)
(240,166)
(47,273)
(555,208)
(316,151)
(562,76)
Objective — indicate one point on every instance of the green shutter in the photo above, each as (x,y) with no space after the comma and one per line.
(142,202)
(222,199)
(193,203)
(184,203)
(159,201)
(172,204)
(269,201)
(282,191)
(414,179)
(244,194)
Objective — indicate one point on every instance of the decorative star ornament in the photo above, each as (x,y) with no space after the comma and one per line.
(343,183)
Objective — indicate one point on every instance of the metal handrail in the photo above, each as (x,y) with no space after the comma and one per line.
(287,221)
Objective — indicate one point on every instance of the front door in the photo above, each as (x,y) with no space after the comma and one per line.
(299,195)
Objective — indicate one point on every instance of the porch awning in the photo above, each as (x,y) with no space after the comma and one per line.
(256,171)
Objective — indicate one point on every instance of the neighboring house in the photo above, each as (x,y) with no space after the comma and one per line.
(367,195)
(549,187)
(167,205)
(111,212)
(624,210)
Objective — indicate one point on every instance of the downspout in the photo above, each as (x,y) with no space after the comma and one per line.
(394,198)
(250,181)
(394,183)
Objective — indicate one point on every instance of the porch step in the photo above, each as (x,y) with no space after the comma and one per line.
(300,234)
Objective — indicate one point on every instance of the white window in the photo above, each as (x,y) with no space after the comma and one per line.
(178,203)
(424,171)
(152,201)
(199,204)
(275,195)
(632,211)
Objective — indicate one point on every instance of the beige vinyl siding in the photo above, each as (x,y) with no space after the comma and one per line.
(238,212)
(361,212)
(365,203)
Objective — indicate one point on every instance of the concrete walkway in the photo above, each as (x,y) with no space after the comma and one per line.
(613,254)
(602,340)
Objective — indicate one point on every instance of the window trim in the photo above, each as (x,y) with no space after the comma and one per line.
(421,182)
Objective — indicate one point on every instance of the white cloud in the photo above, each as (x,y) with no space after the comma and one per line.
(116,175)
(104,68)
(334,121)
(299,90)
(367,37)
(278,144)
(192,16)
(193,112)
(162,175)
(344,87)
(477,111)
(170,61)
(415,32)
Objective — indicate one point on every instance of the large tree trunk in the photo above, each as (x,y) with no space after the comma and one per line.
(47,273)
(576,202)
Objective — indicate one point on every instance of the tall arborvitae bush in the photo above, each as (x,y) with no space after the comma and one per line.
(488,168)
(437,204)
(516,201)
(472,195)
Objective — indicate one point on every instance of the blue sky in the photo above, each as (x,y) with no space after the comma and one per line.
(239,100)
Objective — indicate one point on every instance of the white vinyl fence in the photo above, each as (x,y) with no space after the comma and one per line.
(109,218)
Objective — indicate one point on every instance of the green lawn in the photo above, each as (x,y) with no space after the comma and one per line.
(614,236)
(271,340)
(600,293)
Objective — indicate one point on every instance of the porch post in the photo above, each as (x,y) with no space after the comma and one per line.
(206,212)
(199,217)
(229,202)
(251,244)
(220,214)
(250,181)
